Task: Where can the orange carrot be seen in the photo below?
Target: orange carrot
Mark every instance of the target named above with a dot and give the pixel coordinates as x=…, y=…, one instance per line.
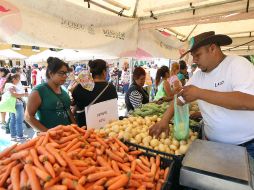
x=69, y=183
x=23, y=180
x=98, y=152
x=101, y=181
x=74, y=152
x=101, y=141
x=158, y=186
x=43, y=158
x=115, y=166
x=112, y=180
x=43, y=151
x=121, y=144
x=140, y=170
x=134, y=183
x=50, y=169
x=157, y=174
x=42, y=174
x=145, y=162
x=76, y=146
x=133, y=165
x=103, y=162
x=99, y=175
x=82, y=180
x=68, y=175
x=79, y=187
x=55, y=153
x=36, y=159
x=153, y=170
x=73, y=142
x=5, y=161
x=68, y=138
x=29, y=159
x=34, y=181
x=114, y=156
x=166, y=172
x=52, y=182
x=45, y=140
x=6, y=174
x=148, y=185
x=135, y=152
x=15, y=180
x=6, y=151
x=158, y=160
x=72, y=167
x=121, y=182
x=145, y=168
x=27, y=144
x=79, y=163
x=57, y=187
x=142, y=187
x=124, y=167
x=89, y=170
x=19, y=155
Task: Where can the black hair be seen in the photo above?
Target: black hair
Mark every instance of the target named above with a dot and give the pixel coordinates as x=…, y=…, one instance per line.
x=182, y=65
x=5, y=71
x=54, y=65
x=11, y=76
x=14, y=70
x=161, y=72
x=138, y=72
x=97, y=67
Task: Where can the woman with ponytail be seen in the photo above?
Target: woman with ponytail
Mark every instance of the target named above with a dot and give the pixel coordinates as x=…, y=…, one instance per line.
x=163, y=88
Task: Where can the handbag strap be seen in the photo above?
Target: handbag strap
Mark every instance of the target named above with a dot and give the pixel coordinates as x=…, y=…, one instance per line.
x=97, y=97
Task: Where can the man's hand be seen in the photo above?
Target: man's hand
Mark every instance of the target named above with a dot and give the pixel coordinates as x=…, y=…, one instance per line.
x=158, y=128
x=190, y=93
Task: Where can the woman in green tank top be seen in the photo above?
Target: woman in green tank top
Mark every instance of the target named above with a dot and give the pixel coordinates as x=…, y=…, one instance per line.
x=163, y=87
x=49, y=105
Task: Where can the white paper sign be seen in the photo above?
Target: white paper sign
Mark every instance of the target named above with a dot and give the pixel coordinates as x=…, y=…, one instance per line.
x=98, y=115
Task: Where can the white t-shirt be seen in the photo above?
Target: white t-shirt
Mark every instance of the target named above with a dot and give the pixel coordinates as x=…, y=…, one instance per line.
x=234, y=73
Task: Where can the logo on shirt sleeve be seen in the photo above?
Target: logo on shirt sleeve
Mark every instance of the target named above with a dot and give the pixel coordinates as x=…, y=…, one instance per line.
x=218, y=84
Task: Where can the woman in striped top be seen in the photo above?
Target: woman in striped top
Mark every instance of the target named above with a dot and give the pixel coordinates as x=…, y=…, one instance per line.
x=136, y=95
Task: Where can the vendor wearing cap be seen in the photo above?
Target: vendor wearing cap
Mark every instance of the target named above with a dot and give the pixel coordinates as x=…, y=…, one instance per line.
x=224, y=90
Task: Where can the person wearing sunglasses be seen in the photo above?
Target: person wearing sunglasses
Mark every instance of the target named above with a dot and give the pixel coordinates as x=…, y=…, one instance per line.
x=49, y=104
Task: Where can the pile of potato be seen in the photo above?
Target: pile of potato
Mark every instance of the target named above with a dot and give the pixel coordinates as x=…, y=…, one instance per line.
x=136, y=130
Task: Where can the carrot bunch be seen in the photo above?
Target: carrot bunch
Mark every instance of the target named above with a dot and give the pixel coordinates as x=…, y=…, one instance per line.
x=69, y=157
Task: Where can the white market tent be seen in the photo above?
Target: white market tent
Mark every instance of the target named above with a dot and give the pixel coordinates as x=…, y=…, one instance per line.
x=10, y=54
x=161, y=28
x=42, y=56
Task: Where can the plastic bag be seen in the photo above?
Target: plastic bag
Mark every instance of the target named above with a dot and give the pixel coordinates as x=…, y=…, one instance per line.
x=86, y=80
x=181, y=120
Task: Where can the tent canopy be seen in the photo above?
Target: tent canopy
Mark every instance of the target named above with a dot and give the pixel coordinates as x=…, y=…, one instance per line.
x=10, y=54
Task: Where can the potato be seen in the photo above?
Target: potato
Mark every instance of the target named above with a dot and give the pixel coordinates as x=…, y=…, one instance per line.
x=175, y=142
x=183, y=149
x=146, y=144
x=120, y=134
x=196, y=133
x=154, y=142
x=162, y=141
x=156, y=148
x=135, y=124
x=177, y=153
x=138, y=138
x=182, y=142
x=143, y=135
x=158, y=119
x=163, y=135
x=161, y=147
x=193, y=138
x=115, y=128
x=126, y=136
x=173, y=147
x=167, y=141
x=132, y=140
x=112, y=134
x=147, y=139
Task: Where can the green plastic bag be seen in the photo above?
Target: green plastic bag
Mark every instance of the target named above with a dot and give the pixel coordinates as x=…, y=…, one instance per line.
x=8, y=103
x=181, y=120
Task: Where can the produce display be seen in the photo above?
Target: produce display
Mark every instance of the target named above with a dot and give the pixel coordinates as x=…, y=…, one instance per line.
x=69, y=157
x=151, y=109
x=136, y=130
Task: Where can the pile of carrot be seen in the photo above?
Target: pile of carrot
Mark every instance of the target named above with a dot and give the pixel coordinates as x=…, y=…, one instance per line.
x=69, y=157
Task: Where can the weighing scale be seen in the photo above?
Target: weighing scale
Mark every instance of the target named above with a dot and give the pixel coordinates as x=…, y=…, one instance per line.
x=216, y=166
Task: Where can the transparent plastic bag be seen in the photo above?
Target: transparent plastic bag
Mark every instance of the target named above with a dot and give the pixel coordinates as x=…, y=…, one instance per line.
x=86, y=80
x=181, y=120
